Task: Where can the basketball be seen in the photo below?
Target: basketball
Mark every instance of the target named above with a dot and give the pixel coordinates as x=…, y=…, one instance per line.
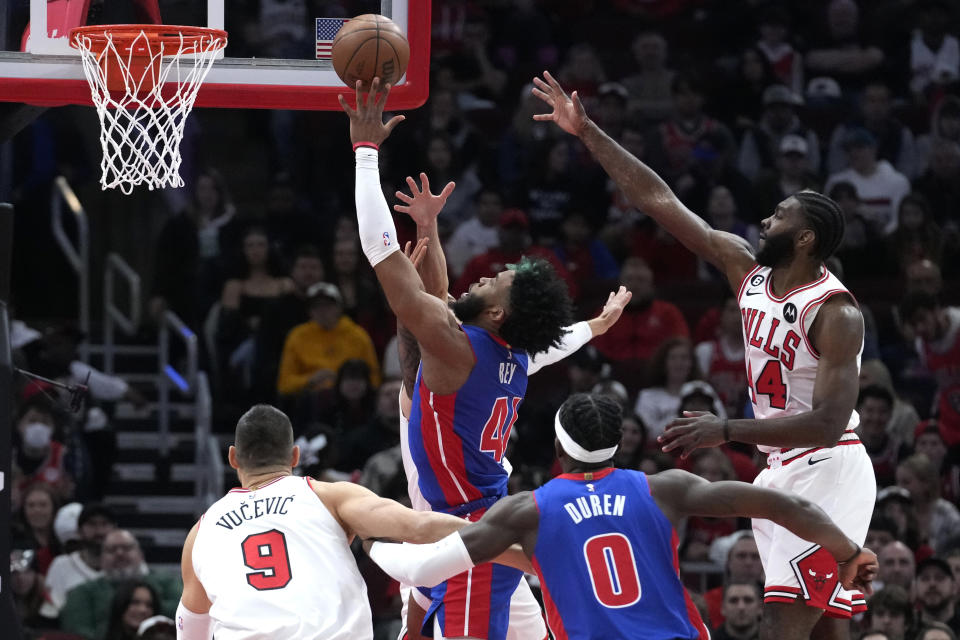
x=368, y=46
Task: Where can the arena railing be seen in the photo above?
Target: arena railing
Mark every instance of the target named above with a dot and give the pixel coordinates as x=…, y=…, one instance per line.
x=113, y=316
x=208, y=461
x=77, y=254
x=185, y=382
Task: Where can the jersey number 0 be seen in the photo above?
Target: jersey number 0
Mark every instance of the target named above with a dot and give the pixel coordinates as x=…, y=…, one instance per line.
x=613, y=570
x=266, y=554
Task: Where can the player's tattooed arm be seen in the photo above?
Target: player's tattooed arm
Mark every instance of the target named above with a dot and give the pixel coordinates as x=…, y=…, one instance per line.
x=409, y=352
x=645, y=189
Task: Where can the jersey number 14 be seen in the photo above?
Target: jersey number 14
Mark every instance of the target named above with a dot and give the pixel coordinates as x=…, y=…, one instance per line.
x=769, y=383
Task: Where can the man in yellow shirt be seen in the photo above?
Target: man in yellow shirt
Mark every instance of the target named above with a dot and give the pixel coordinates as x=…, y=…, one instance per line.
x=315, y=350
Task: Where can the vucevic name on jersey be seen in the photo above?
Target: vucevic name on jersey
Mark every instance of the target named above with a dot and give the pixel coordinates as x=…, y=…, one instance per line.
x=780, y=358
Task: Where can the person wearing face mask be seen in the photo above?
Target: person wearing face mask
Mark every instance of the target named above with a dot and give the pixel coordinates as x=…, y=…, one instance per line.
x=38, y=456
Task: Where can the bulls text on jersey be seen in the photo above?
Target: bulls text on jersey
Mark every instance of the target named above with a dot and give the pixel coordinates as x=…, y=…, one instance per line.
x=762, y=333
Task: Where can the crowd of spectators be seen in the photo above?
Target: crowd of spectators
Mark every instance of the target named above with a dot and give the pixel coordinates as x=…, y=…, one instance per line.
x=736, y=105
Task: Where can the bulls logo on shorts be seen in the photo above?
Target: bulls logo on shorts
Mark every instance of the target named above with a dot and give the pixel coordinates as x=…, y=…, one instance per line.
x=756, y=281
x=790, y=312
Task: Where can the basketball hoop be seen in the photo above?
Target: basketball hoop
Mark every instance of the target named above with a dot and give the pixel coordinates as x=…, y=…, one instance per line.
x=144, y=80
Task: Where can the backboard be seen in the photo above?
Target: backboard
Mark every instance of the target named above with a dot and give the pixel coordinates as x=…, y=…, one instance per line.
x=274, y=58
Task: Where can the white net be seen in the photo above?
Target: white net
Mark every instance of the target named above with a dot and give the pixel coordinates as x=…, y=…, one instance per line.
x=143, y=88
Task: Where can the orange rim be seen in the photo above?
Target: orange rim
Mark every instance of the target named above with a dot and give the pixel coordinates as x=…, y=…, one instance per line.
x=124, y=35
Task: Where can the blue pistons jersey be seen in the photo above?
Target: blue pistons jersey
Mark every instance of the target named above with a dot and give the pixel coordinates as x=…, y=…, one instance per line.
x=607, y=560
x=457, y=441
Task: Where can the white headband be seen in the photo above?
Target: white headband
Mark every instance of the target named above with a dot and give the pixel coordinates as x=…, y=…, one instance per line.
x=577, y=452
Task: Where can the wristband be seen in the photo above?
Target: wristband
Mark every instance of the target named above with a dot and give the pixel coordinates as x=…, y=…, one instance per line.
x=371, y=145
x=726, y=430
x=855, y=554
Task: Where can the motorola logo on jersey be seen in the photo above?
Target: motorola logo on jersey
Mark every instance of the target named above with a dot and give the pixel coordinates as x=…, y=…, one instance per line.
x=756, y=281
x=790, y=312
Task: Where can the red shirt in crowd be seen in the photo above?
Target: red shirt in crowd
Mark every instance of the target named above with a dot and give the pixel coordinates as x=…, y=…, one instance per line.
x=638, y=333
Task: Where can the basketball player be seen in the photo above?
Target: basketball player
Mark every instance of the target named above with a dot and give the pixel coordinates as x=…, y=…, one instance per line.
x=526, y=618
x=272, y=559
x=603, y=541
x=804, y=335
x=472, y=378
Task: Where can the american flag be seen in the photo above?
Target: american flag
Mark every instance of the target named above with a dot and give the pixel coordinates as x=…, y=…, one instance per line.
x=327, y=29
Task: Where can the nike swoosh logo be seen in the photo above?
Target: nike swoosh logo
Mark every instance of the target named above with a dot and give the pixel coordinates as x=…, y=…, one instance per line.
x=811, y=461
x=754, y=293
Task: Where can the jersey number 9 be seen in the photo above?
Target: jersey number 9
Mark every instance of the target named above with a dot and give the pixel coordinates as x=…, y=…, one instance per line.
x=266, y=554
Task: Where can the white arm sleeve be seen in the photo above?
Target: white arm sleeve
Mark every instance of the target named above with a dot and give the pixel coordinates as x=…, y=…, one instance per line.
x=575, y=337
x=192, y=626
x=424, y=565
x=378, y=235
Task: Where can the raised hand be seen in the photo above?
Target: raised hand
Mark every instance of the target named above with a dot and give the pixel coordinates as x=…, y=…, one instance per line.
x=611, y=311
x=366, y=121
x=423, y=206
x=568, y=111
x=416, y=254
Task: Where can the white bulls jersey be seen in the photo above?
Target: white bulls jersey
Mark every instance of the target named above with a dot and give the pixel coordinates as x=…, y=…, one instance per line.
x=781, y=361
x=276, y=564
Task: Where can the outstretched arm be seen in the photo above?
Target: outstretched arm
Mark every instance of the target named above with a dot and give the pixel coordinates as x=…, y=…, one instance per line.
x=645, y=189
x=680, y=494
x=579, y=334
x=427, y=317
x=838, y=334
x=512, y=520
x=424, y=207
x=363, y=513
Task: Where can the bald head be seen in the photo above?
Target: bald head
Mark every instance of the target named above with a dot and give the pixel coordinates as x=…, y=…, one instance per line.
x=122, y=557
x=924, y=276
x=897, y=565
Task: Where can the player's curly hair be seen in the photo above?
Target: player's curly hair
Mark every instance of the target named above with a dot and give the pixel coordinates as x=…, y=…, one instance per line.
x=540, y=307
x=594, y=421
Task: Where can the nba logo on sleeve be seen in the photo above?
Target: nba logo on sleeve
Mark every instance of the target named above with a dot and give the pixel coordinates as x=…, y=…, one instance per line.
x=386, y=238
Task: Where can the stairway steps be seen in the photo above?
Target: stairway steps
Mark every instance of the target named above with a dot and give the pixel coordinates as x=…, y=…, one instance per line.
x=140, y=487
x=156, y=503
x=156, y=521
x=143, y=471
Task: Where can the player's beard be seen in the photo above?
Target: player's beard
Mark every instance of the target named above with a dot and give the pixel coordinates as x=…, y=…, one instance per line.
x=468, y=308
x=776, y=250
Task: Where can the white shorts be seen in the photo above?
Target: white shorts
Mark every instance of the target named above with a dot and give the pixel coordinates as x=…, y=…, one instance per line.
x=526, y=617
x=840, y=481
